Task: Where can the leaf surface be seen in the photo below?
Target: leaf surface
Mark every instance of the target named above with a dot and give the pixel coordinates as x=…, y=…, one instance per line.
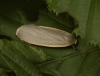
x=85, y=12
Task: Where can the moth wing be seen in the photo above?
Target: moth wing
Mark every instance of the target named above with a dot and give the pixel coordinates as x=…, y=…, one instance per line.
x=45, y=36
x=66, y=38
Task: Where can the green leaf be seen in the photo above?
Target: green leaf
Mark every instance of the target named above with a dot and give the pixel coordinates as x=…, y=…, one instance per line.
x=63, y=21
x=3, y=72
x=85, y=12
x=8, y=27
x=73, y=64
x=18, y=16
x=9, y=22
x=32, y=53
x=3, y=64
x=17, y=61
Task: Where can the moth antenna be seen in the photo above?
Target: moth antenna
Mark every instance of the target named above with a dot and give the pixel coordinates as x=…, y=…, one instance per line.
x=77, y=51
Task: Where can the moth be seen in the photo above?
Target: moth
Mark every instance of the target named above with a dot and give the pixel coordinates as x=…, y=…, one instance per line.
x=45, y=36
